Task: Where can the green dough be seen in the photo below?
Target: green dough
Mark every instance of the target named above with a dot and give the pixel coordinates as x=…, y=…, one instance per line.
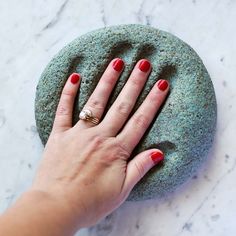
x=185, y=126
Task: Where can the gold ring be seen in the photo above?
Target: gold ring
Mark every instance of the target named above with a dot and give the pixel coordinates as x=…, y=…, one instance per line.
x=87, y=115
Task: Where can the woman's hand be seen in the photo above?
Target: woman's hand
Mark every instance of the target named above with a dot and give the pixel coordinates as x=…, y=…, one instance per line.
x=86, y=167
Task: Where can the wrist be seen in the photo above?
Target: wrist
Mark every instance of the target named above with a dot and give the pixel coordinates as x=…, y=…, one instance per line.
x=40, y=213
x=59, y=212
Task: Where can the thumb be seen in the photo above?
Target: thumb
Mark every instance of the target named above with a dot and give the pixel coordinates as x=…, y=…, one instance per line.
x=139, y=166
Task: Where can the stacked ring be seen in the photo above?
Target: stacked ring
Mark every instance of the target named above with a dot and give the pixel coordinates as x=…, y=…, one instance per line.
x=87, y=115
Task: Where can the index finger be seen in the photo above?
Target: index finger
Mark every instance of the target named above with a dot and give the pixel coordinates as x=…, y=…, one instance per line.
x=140, y=121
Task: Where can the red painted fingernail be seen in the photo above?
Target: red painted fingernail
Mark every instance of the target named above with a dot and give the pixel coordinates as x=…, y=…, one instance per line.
x=157, y=157
x=118, y=64
x=144, y=65
x=74, y=78
x=162, y=84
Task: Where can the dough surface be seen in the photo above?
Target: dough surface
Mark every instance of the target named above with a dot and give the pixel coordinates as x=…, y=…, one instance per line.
x=183, y=129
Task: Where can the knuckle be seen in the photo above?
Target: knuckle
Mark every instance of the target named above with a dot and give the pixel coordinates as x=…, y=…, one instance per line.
x=66, y=99
x=114, y=151
x=68, y=93
x=108, y=159
x=141, y=121
x=140, y=168
x=95, y=103
x=136, y=81
x=124, y=108
x=109, y=79
x=152, y=96
x=97, y=140
x=68, y=96
x=122, y=151
x=62, y=110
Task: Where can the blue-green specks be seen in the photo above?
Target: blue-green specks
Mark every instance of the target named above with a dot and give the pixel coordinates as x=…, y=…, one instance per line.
x=185, y=126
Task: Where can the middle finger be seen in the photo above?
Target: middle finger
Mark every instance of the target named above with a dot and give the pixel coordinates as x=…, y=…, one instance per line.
x=123, y=105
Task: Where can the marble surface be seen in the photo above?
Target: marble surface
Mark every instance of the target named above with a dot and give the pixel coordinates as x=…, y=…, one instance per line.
x=33, y=31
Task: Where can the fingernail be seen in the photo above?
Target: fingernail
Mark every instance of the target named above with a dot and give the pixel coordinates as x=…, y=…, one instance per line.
x=74, y=78
x=157, y=157
x=118, y=64
x=162, y=84
x=144, y=65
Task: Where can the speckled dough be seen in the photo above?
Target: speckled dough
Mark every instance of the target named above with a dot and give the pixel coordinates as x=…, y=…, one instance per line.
x=185, y=126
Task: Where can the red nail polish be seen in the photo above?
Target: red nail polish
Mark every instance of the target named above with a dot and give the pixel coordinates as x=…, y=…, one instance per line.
x=162, y=84
x=144, y=65
x=118, y=64
x=157, y=157
x=74, y=78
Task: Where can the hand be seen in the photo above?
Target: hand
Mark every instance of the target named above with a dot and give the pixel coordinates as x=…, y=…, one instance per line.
x=86, y=167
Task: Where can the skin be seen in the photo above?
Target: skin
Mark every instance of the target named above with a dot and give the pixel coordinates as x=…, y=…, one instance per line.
x=85, y=172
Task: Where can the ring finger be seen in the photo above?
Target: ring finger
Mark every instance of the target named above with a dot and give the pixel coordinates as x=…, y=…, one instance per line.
x=98, y=100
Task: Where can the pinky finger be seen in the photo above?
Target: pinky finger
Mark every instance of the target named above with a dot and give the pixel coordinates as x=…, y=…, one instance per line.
x=63, y=118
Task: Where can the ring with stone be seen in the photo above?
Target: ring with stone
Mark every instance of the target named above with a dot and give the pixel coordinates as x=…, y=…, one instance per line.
x=88, y=116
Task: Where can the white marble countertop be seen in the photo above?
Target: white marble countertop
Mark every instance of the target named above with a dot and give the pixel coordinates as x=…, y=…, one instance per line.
x=33, y=31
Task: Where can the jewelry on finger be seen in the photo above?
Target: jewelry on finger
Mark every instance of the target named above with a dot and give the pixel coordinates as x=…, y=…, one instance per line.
x=87, y=115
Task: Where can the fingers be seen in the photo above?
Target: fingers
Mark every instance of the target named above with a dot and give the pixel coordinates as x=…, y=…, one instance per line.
x=123, y=105
x=139, y=122
x=98, y=100
x=139, y=166
x=63, y=118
